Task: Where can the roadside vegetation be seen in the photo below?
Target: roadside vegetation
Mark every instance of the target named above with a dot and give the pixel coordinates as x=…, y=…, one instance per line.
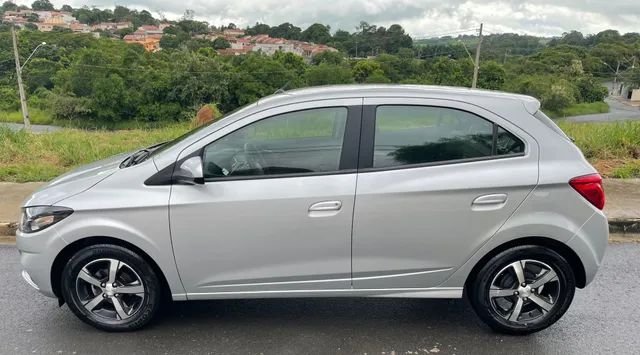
x=585, y=108
x=614, y=148
x=77, y=80
x=41, y=157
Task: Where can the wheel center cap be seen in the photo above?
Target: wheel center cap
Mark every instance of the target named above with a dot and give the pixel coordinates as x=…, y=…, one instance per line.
x=524, y=291
x=108, y=290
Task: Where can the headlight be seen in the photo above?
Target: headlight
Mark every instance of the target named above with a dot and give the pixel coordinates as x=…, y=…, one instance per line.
x=37, y=218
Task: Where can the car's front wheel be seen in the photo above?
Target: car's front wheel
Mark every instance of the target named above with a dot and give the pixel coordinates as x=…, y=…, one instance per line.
x=111, y=288
x=523, y=289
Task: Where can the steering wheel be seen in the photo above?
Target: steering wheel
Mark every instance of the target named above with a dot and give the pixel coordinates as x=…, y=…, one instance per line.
x=255, y=157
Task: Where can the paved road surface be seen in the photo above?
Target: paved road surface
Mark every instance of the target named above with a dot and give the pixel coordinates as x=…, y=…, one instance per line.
x=604, y=319
x=36, y=128
x=617, y=111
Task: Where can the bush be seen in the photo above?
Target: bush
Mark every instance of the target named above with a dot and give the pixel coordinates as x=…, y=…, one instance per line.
x=590, y=89
x=68, y=107
x=9, y=99
x=559, y=96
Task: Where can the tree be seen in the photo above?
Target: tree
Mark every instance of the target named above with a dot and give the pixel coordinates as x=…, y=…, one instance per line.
x=285, y=30
x=124, y=31
x=221, y=43
x=491, y=75
x=33, y=17
x=316, y=33
x=42, y=5
x=590, y=89
x=193, y=27
x=66, y=8
x=395, y=38
x=8, y=6
x=329, y=57
x=121, y=13
x=365, y=68
x=258, y=28
x=328, y=74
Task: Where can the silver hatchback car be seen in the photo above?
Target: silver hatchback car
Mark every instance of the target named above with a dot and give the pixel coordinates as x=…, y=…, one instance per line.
x=358, y=191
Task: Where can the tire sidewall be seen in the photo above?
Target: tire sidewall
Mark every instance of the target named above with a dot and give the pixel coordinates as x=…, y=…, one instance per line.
x=138, y=264
x=480, y=299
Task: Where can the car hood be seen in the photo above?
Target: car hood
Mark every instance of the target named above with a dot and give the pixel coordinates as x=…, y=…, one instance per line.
x=75, y=181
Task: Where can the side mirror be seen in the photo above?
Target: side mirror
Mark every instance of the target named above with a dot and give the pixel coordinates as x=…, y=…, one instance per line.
x=190, y=172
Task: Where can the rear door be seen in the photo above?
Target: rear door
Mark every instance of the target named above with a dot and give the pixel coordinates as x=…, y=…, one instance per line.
x=436, y=180
x=275, y=211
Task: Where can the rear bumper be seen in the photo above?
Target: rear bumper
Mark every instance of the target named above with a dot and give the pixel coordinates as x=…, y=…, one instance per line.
x=590, y=243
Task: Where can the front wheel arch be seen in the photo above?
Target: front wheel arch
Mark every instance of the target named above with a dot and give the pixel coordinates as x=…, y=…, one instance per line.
x=564, y=250
x=67, y=252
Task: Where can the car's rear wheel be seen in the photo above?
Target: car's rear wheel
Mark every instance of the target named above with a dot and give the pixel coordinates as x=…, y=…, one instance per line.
x=111, y=288
x=523, y=289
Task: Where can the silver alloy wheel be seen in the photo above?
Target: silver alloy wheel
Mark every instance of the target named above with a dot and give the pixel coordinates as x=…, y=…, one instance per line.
x=524, y=291
x=110, y=288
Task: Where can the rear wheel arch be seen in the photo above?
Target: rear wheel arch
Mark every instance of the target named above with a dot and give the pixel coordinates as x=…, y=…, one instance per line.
x=561, y=248
x=67, y=252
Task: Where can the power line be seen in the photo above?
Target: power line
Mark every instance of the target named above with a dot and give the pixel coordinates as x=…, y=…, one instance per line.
x=435, y=35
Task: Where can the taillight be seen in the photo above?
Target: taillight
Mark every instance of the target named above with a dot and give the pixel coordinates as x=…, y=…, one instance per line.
x=590, y=187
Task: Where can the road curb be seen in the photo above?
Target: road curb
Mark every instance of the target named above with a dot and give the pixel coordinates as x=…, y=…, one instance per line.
x=8, y=228
x=624, y=225
x=622, y=228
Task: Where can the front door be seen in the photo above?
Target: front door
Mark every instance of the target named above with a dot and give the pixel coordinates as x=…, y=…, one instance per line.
x=275, y=211
x=438, y=178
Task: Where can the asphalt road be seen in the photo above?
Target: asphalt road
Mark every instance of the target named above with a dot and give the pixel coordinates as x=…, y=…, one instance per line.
x=35, y=128
x=617, y=112
x=604, y=319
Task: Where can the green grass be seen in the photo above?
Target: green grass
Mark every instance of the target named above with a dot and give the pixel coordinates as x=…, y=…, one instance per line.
x=36, y=116
x=586, y=108
x=628, y=170
x=612, y=147
x=605, y=140
x=39, y=157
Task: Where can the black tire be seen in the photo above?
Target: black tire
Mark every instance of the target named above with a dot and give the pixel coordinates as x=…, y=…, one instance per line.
x=146, y=306
x=498, y=268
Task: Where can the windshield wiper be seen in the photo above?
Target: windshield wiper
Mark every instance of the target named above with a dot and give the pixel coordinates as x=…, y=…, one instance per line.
x=140, y=155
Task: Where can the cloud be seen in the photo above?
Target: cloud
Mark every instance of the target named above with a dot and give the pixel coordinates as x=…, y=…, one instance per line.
x=419, y=17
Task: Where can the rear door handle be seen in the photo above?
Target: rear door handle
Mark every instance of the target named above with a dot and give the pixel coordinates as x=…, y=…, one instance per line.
x=325, y=206
x=489, y=202
x=492, y=199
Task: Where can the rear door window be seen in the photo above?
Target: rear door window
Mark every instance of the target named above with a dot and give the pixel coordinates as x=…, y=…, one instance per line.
x=408, y=135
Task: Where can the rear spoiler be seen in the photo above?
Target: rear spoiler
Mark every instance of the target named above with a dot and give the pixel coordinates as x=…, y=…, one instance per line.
x=532, y=105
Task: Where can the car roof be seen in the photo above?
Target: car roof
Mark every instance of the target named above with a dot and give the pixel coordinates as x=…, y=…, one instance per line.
x=396, y=90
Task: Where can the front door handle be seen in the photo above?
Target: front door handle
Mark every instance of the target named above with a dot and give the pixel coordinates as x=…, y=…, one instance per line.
x=325, y=206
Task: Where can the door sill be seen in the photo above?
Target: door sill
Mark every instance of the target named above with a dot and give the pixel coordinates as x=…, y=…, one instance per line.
x=433, y=292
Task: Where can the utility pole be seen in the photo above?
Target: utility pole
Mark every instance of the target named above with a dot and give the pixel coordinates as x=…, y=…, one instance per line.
x=23, y=97
x=356, y=47
x=476, y=63
x=506, y=54
x=615, y=79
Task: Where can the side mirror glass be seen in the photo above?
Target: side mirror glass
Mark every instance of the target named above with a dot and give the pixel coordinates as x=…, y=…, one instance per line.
x=190, y=172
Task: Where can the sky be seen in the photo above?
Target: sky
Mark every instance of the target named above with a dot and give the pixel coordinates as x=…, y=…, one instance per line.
x=420, y=18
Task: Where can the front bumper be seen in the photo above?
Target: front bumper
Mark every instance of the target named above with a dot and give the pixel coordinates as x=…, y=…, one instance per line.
x=37, y=253
x=27, y=278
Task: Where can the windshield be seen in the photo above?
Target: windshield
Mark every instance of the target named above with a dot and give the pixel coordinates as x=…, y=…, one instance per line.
x=175, y=141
